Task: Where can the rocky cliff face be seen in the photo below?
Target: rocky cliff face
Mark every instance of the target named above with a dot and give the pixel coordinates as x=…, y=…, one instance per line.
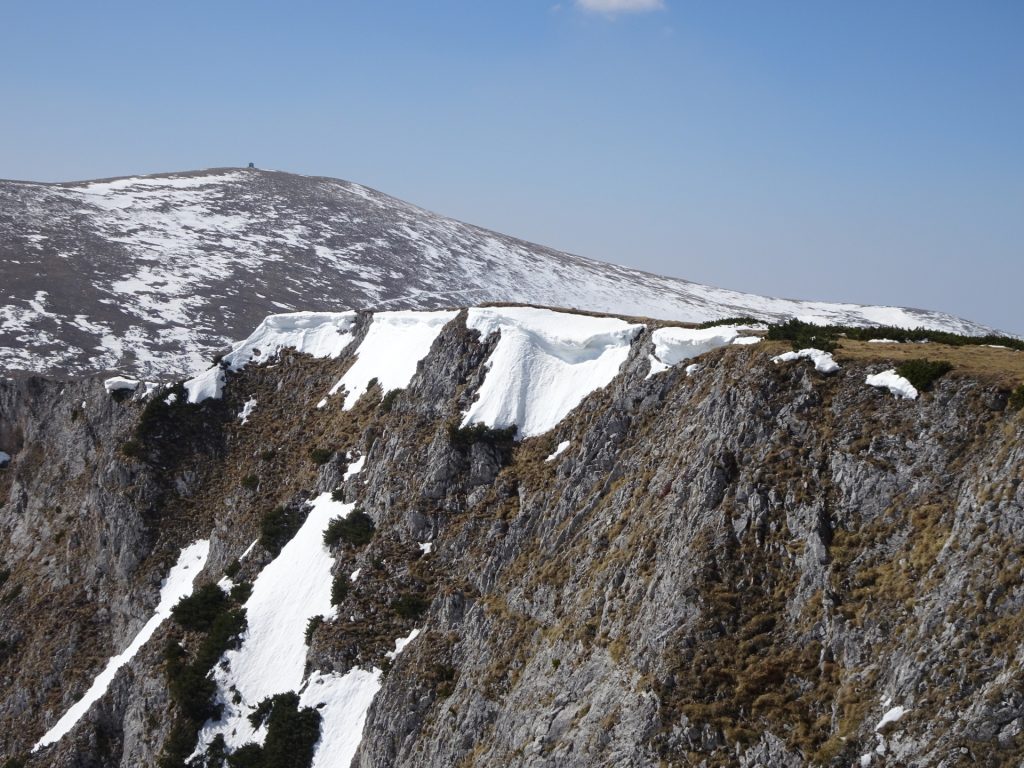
x=748, y=564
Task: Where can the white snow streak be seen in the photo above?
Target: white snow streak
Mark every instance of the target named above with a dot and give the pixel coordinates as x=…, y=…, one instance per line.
x=400, y=644
x=892, y=716
x=343, y=701
x=177, y=585
x=558, y=451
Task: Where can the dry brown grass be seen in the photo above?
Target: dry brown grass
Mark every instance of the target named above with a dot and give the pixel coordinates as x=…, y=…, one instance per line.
x=1004, y=367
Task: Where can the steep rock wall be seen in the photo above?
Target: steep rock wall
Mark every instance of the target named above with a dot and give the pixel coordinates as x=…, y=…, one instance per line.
x=750, y=565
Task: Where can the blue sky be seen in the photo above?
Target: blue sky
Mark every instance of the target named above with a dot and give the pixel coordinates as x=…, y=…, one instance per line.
x=869, y=151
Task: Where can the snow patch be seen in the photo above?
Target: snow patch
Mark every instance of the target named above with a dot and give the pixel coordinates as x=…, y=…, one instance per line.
x=674, y=345
x=656, y=367
x=177, y=585
x=355, y=467
x=892, y=716
x=426, y=547
x=120, y=384
x=899, y=386
x=544, y=364
x=693, y=368
x=320, y=334
x=823, y=361
x=400, y=644
x=355, y=574
x=247, y=408
x=393, y=346
x=207, y=385
x=5, y=459
x=558, y=451
x=342, y=701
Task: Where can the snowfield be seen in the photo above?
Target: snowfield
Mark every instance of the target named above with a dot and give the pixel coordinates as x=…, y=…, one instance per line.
x=152, y=275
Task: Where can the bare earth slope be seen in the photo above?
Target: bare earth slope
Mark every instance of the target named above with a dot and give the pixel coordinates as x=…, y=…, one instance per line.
x=151, y=275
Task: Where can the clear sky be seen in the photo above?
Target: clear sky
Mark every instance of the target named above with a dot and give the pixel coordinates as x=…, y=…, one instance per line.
x=868, y=151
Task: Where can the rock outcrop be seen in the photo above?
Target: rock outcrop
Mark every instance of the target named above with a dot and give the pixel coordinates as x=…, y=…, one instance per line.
x=749, y=564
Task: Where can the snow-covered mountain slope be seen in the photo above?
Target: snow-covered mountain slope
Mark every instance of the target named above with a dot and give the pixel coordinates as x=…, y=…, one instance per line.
x=150, y=275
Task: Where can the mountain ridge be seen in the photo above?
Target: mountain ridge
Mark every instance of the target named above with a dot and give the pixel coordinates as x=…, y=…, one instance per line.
x=151, y=275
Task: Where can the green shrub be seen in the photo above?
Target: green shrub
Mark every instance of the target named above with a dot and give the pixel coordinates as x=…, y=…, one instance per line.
x=464, y=438
x=804, y=335
x=233, y=568
x=1016, y=402
x=923, y=373
x=730, y=321
x=248, y=756
x=312, y=625
x=7, y=649
x=389, y=400
x=920, y=334
x=250, y=482
x=292, y=734
x=321, y=455
x=120, y=395
x=241, y=592
x=5, y=574
x=18, y=761
x=339, y=589
x=355, y=529
x=267, y=454
x=410, y=605
x=277, y=527
x=198, y=611
x=189, y=683
x=133, y=449
x=338, y=494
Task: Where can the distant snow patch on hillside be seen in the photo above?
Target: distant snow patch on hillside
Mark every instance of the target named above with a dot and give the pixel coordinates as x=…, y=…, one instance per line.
x=393, y=346
x=177, y=585
x=544, y=364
